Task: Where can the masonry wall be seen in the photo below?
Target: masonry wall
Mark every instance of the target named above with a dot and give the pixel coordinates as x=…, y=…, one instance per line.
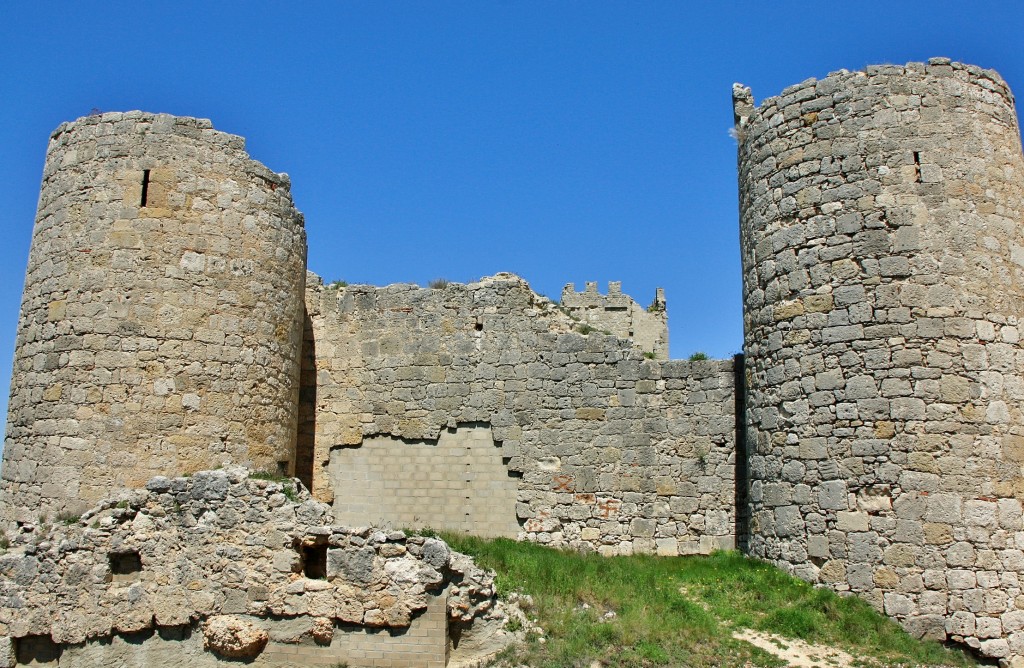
x=140, y=578
x=883, y=259
x=457, y=482
x=423, y=644
x=596, y=446
x=161, y=320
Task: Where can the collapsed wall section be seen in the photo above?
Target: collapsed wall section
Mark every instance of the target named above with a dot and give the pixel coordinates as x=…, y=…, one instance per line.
x=883, y=258
x=221, y=568
x=161, y=321
x=598, y=446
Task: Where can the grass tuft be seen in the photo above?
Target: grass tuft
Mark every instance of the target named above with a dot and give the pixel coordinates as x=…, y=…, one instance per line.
x=287, y=484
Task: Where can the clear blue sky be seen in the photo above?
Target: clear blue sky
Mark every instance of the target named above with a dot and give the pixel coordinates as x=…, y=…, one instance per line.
x=563, y=141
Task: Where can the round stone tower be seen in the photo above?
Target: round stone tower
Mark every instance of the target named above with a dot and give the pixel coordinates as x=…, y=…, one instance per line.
x=161, y=322
x=882, y=239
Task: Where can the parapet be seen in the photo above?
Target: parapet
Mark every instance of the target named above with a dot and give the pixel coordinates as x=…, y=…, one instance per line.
x=619, y=314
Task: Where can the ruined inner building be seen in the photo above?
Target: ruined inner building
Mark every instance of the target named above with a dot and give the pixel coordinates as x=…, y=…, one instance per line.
x=870, y=438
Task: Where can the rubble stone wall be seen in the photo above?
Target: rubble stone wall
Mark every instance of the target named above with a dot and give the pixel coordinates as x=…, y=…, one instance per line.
x=161, y=320
x=424, y=644
x=222, y=565
x=883, y=258
x=608, y=450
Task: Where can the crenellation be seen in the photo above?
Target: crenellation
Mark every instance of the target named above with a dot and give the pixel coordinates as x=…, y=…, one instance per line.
x=618, y=314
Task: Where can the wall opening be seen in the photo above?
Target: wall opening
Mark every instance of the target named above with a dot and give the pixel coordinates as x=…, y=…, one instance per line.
x=37, y=650
x=314, y=561
x=145, y=187
x=125, y=565
x=917, y=166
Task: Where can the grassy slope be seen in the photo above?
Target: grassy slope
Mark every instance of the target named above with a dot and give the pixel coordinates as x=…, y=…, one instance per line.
x=681, y=611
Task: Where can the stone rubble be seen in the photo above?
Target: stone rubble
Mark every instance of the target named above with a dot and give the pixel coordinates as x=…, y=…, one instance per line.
x=217, y=545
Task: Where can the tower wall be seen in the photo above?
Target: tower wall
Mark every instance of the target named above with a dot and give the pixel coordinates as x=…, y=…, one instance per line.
x=161, y=321
x=883, y=258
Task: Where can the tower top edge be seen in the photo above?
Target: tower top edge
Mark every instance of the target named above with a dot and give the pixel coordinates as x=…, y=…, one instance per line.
x=839, y=78
x=143, y=122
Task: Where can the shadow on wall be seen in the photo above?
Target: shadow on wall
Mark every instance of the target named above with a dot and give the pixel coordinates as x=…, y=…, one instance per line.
x=306, y=436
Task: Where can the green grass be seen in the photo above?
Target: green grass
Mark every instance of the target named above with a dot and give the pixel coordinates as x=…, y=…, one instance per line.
x=680, y=611
x=287, y=484
x=68, y=518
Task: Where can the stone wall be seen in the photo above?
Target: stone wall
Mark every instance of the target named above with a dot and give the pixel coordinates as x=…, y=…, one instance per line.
x=595, y=446
x=161, y=572
x=619, y=314
x=882, y=251
x=161, y=320
x=423, y=644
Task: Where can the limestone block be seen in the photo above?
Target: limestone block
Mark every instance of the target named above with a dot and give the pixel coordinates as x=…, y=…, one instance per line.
x=233, y=638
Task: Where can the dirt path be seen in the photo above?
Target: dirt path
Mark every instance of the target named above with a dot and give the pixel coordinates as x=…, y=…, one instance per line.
x=797, y=653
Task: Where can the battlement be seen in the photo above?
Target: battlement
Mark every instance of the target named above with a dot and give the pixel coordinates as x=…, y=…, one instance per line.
x=619, y=314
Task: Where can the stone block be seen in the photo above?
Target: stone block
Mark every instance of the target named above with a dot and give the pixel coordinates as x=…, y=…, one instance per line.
x=855, y=521
x=642, y=528
x=832, y=495
x=667, y=547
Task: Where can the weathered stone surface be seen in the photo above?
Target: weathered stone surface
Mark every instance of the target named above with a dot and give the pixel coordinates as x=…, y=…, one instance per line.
x=157, y=337
x=163, y=332
x=482, y=407
x=146, y=559
x=901, y=200
x=233, y=638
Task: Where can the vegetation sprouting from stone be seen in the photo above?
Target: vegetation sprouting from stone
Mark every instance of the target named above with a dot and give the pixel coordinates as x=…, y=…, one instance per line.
x=68, y=518
x=287, y=484
x=698, y=356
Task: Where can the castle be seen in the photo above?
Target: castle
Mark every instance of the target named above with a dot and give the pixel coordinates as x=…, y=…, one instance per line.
x=870, y=438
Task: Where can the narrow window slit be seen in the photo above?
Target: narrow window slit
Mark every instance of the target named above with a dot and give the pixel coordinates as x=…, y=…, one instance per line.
x=145, y=186
x=917, y=166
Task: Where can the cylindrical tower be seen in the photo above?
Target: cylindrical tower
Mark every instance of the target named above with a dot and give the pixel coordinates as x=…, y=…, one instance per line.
x=882, y=237
x=161, y=322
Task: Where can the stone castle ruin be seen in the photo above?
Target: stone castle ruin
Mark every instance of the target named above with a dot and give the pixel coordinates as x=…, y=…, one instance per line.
x=870, y=438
